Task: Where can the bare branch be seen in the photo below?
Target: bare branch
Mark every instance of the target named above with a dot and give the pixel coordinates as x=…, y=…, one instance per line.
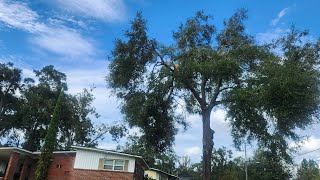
x=226, y=88
x=163, y=62
x=215, y=95
x=195, y=94
x=203, y=88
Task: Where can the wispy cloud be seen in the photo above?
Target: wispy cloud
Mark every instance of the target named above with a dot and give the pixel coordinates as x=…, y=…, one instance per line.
x=270, y=35
x=64, y=41
x=56, y=38
x=281, y=14
x=191, y=151
x=106, y=10
x=309, y=149
x=310, y=144
x=19, y=15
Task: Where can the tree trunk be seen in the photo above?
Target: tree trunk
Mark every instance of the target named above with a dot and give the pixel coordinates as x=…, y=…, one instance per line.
x=207, y=141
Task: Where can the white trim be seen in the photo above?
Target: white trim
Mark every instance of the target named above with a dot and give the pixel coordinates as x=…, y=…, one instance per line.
x=57, y=152
x=19, y=150
x=114, y=164
x=16, y=149
x=105, y=151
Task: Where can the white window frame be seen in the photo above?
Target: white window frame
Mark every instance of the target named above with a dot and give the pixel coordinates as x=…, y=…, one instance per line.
x=114, y=164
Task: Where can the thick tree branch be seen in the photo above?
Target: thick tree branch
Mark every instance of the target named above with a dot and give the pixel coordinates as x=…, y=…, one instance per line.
x=163, y=62
x=195, y=94
x=215, y=95
x=203, y=88
x=226, y=88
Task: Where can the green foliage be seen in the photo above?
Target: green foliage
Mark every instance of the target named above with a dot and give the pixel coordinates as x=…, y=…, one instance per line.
x=10, y=84
x=149, y=107
x=279, y=97
x=263, y=166
x=308, y=170
x=26, y=115
x=49, y=142
x=164, y=161
x=75, y=126
x=187, y=169
x=267, y=166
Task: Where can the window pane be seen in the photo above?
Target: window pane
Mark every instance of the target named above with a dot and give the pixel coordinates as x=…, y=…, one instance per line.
x=118, y=167
x=108, y=162
x=119, y=163
x=108, y=167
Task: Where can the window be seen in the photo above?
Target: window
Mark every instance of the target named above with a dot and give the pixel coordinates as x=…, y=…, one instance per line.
x=108, y=164
x=114, y=164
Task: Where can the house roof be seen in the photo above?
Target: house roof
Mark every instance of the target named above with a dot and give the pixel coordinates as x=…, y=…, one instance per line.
x=158, y=170
x=16, y=149
x=24, y=151
x=110, y=152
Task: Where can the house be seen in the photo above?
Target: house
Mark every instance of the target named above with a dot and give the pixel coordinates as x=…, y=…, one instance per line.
x=80, y=163
x=157, y=174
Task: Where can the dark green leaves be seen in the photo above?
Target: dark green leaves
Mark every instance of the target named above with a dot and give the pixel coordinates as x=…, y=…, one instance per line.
x=195, y=33
x=279, y=95
x=130, y=57
x=10, y=84
x=145, y=84
x=234, y=36
x=308, y=170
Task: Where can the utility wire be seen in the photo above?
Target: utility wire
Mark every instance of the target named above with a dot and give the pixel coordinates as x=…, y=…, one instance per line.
x=307, y=152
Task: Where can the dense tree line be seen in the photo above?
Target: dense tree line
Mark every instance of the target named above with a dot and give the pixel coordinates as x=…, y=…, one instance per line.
x=26, y=107
x=308, y=170
x=261, y=165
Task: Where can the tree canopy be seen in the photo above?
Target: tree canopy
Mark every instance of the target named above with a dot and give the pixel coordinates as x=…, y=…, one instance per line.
x=309, y=169
x=268, y=90
x=28, y=104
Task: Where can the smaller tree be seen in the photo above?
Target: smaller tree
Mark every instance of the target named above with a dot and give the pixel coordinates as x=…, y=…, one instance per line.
x=49, y=143
x=155, y=159
x=225, y=166
x=265, y=165
x=188, y=169
x=308, y=170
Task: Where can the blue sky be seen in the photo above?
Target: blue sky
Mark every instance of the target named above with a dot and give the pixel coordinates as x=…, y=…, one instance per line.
x=77, y=36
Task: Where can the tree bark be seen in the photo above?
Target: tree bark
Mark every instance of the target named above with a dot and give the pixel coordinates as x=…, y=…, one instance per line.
x=207, y=141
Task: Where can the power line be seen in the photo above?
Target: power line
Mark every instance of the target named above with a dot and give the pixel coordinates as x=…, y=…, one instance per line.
x=307, y=152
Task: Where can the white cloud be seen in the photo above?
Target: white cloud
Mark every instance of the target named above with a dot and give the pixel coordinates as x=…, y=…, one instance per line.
x=269, y=36
x=19, y=15
x=187, y=137
x=309, y=149
x=310, y=144
x=58, y=38
x=192, y=151
x=281, y=14
x=94, y=76
x=218, y=116
x=107, y=146
x=106, y=10
x=64, y=41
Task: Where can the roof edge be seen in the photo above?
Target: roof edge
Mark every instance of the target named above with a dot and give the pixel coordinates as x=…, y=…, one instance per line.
x=154, y=169
x=16, y=149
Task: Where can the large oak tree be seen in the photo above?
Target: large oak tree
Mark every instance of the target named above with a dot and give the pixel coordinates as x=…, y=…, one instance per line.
x=267, y=91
